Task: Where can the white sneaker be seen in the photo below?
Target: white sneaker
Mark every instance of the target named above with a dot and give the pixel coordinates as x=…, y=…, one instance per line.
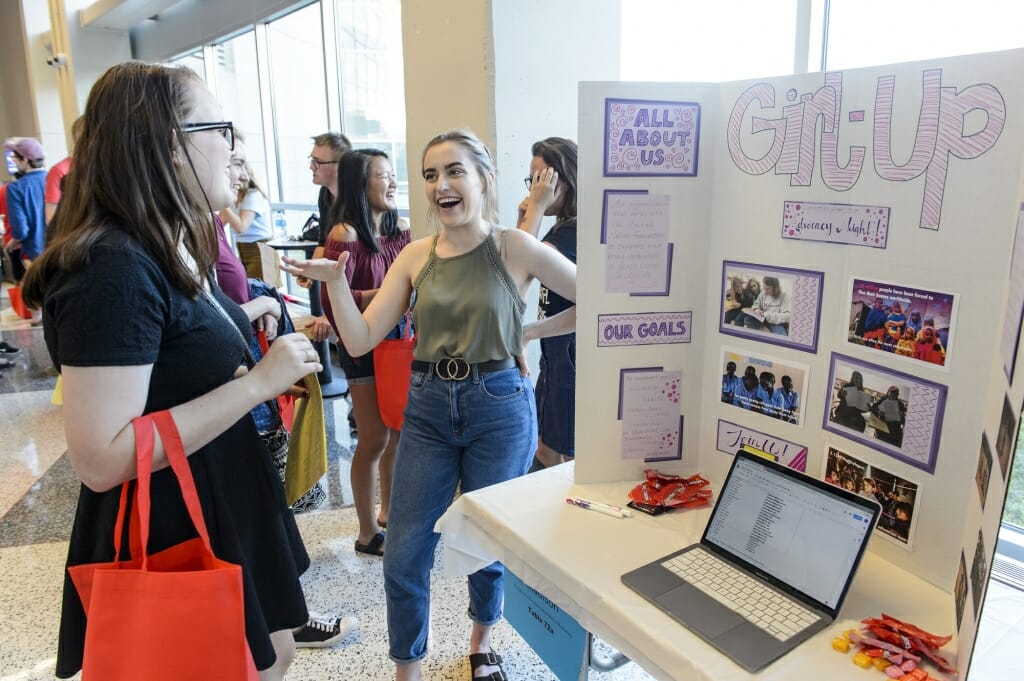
x=322, y=631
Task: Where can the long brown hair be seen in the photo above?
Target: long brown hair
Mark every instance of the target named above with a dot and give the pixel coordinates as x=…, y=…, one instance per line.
x=560, y=153
x=125, y=177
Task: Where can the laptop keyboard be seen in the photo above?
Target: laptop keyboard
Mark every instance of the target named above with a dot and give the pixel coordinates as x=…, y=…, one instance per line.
x=759, y=604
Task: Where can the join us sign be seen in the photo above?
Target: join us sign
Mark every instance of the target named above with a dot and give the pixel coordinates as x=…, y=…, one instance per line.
x=651, y=138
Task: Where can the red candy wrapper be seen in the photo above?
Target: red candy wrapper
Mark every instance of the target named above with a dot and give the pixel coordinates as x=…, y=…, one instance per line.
x=660, y=492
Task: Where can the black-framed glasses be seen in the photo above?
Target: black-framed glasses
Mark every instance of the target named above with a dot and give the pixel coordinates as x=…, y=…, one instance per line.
x=528, y=181
x=316, y=163
x=225, y=128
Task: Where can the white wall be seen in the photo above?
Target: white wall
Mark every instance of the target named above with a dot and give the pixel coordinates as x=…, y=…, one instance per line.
x=542, y=51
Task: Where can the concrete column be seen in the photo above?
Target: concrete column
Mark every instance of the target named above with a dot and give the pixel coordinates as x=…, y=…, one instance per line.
x=448, y=49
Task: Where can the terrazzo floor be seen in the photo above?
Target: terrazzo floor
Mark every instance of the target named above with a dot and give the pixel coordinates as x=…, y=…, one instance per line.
x=38, y=492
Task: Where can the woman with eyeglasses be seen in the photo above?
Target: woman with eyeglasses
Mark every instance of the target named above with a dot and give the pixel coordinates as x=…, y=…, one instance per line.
x=369, y=230
x=471, y=419
x=552, y=185
x=135, y=321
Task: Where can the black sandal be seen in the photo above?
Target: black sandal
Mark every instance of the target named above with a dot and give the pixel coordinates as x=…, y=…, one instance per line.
x=491, y=659
x=374, y=548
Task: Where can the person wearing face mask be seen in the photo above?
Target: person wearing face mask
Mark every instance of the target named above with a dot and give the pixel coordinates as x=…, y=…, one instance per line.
x=371, y=233
x=853, y=402
x=893, y=411
x=26, y=206
x=552, y=185
x=471, y=416
x=135, y=321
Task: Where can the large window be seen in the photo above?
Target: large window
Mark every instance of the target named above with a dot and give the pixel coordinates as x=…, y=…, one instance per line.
x=238, y=88
x=668, y=40
x=194, y=61
x=369, y=37
x=298, y=78
x=872, y=32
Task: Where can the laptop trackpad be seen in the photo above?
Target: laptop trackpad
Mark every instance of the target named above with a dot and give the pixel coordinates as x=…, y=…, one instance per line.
x=713, y=619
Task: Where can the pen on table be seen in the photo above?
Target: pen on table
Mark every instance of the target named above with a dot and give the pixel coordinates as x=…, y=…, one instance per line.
x=607, y=509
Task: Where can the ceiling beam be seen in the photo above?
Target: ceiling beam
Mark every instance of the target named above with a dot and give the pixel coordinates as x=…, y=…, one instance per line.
x=121, y=15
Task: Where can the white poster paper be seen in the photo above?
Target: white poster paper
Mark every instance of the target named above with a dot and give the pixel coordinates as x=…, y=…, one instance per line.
x=637, y=248
x=650, y=414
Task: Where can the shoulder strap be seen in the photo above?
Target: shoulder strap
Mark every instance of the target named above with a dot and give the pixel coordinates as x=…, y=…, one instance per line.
x=249, y=359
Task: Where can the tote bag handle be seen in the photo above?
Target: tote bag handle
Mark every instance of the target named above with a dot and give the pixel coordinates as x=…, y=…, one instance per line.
x=175, y=452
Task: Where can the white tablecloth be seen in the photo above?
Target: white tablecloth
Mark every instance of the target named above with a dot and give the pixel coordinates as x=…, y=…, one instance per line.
x=576, y=557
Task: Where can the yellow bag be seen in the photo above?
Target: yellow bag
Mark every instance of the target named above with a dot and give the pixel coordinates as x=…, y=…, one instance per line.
x=307, y=446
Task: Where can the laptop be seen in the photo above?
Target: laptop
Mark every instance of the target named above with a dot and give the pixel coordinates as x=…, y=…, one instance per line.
x=774, y=564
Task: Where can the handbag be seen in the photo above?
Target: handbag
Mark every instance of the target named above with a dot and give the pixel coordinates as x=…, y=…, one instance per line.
x=307, y=451
x=176, y=614
x=392, y=369
x=277, y=441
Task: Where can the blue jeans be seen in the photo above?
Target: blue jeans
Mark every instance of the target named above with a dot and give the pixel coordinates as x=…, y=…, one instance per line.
x=457, y=434
x=556, y=394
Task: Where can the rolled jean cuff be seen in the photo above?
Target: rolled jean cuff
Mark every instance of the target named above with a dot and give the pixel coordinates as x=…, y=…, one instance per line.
x=408, y=661
x=472, y=616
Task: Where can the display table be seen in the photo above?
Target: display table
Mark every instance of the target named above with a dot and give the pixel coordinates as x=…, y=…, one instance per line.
x=576, y=557
x=329, y=385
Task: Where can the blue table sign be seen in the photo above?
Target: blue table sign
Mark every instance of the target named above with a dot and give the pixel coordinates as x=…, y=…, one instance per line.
x=557, y=638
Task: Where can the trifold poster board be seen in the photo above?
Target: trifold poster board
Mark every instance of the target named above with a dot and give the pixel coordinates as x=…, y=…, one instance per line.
x=853, y=243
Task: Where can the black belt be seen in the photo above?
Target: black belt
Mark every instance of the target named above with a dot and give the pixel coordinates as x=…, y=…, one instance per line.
x=457, y=369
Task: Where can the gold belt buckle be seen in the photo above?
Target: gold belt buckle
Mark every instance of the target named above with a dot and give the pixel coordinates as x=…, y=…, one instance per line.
x=452, y=369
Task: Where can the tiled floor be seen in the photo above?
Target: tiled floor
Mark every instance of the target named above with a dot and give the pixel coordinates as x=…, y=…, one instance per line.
x=38, y=492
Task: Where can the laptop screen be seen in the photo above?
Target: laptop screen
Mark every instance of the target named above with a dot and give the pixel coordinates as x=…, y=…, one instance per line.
x=803, y=532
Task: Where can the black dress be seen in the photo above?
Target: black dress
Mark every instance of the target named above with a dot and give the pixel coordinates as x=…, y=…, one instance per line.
x=120, y=310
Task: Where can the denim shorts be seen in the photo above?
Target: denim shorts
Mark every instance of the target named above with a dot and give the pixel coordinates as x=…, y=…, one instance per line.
x=464, y=435
x=359, y=370
x=556, y=394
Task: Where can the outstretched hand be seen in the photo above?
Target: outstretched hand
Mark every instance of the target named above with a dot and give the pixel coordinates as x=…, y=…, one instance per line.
x=321, y=269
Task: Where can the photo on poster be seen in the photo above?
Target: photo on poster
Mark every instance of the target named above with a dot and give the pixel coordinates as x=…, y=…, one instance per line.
x=778, y=305
x=979, y=572
x=897, y=496
x=764, y=385
x=984, y=471
x=1006, y=437
x=1014, y=311
x=887, y=410
x=910, y=323
x=960, y=590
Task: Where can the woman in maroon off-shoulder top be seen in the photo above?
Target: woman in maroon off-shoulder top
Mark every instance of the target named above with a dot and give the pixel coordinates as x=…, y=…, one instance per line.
x=368, y=227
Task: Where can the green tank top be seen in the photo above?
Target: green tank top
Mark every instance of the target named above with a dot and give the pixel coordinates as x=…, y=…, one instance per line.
x=467, y=306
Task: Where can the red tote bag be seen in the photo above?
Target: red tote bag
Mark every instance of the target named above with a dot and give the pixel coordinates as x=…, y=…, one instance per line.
x=392, y=370
x=285, y=402
x=176, y=614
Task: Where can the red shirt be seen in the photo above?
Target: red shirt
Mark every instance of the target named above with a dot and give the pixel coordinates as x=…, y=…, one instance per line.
x=53, y=177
